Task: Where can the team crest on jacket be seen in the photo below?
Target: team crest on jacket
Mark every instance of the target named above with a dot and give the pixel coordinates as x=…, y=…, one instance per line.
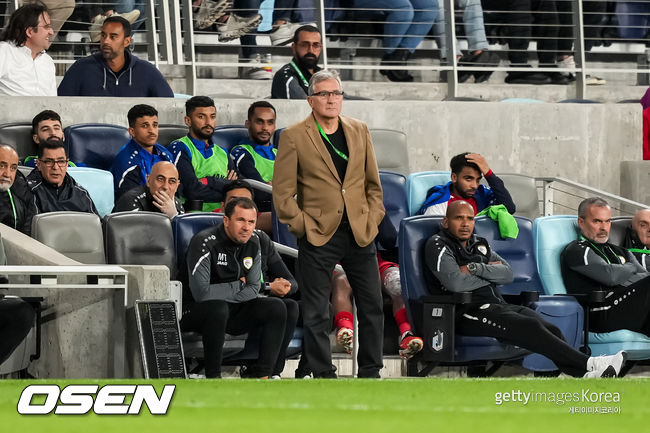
x=248, y=262
x=622, y=260
x=482, y=249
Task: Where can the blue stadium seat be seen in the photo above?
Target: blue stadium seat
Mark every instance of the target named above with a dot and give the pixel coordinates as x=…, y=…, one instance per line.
x=228, y=136
x=551, y=234
x=95, y=144
x=281, y=233
x=99, y=184
x=417, y=185
x=414, y=232
x=395, y=203
x=19, y=135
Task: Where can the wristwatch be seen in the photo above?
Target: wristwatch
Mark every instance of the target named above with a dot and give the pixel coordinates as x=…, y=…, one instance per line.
x=471, y=267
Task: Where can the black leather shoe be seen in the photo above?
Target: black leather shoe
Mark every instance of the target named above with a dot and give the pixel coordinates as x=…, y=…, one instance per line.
x=527, y=78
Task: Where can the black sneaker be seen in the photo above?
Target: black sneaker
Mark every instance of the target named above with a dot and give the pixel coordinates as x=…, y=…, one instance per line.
x=527, y=78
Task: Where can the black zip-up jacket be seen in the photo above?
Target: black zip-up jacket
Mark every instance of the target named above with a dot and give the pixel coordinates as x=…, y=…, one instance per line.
x=23, y=202
x=215, y=265
x=70, y=196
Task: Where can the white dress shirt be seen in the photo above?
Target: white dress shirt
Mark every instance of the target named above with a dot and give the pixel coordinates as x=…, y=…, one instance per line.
x=21, y=75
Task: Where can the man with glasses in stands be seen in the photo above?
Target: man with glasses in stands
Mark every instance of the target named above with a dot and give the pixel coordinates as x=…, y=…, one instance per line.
x=52, y=187
x=16, y=203
x=292, y=80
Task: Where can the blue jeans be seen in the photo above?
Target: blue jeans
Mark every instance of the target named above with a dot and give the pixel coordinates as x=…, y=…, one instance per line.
x=122, y=6
x=248, y=8
x=472, y=21
x=633, y=19
x=407, y=21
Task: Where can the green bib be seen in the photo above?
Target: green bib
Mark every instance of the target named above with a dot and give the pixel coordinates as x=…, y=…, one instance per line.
x=263, y=166
x=215, y=165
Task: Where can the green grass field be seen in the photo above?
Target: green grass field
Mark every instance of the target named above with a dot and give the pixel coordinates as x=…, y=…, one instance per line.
x=431, y=405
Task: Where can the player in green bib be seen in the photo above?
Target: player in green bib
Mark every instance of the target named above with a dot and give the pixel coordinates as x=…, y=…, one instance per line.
x=254, y=158
x=203, y=168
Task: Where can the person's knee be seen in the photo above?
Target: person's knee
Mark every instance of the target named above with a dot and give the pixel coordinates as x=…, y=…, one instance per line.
x=273, y=309
x=293, y=311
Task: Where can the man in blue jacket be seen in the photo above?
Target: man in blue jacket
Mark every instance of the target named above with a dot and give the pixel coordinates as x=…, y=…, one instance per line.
x=114, y=71
x=466, y=171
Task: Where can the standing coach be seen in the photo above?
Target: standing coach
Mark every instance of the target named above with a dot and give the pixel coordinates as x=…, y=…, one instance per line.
x=327, y=162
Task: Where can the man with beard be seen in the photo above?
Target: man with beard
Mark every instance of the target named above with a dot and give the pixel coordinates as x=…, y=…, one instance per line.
x=292, y=80
x=46, y=125
x=254, y=158
x=466, y=171
x=203, y=168
x=114, y=71
x=16, y=204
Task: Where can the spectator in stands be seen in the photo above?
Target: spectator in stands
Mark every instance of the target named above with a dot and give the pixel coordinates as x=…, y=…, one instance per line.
x=228, y=24
x=203, y=167
x=280, y=282
x=225, y=272
x=407, y=22
x=52, y=187
x=591, y=263
x=328, y=192
x=456, y=260
x=254, y=158
x=292, y=80
x=25, y=68
x=60, y=11
x=16, y=203
x=645, y=103
x=114, y=71
x=466, y=171
x=158, y=195
x=637, y=237
x=133, y=163
x=46, y=125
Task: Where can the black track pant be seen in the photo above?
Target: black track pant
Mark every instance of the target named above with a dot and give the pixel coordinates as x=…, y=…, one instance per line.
x=625, y=308
x=16, y=319
x=522, y=327
x=528, y=19
x=213, y=319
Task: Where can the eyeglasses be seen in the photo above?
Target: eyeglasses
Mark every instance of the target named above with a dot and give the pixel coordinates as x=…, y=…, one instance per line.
x=325, y=94
x=50, y=162
x=307, y=44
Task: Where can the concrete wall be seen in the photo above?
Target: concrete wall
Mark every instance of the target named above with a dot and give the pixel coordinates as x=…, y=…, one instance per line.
x=582, y=142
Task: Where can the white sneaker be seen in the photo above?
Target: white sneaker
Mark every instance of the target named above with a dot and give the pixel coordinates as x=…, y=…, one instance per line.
x=95, y=29
x=603, y=372
x=592, y=80
x=257, y=71
x=209, y=12
x=567, y=63
x=276, y=377
x=283, y=34
x=344, y=337
x=601, y=362
x=237, y=26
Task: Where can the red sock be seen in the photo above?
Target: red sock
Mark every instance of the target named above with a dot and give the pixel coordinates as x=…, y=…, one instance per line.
x=344, y=320
x=402, y=321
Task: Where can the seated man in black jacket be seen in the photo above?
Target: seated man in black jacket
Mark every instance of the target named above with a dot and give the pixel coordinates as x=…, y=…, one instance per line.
x=458, y=261
x=224, y=267
x=637, y=237
x=16, y=203
x=592, y=263
x=158, y=195
x=53, y=188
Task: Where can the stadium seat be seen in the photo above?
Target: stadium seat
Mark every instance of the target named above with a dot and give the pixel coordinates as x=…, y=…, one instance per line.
x=228, y=136
x=391, y=150
x=95, y=144
x=522, y=101
x=523, y=190
x=77, y=235
x=395, y=203
x=19, y=135
x=99, y=184
x=551, y=234
x=619, y=227
x=169, y=133
x=414, y=232
x=417, y=185
x=139, y=238
x=281, y=233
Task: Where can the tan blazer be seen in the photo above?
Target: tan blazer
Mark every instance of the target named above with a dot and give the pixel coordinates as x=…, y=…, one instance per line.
x=304, y=169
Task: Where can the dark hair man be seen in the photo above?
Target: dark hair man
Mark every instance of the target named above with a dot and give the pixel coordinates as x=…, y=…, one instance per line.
x=203, y=167
x=114, y=71
x=225, y=273
x=133, y=163
x=328, y=192
x=292, y=80
x=46, y=125
x=459, y=261
x=52, y=187
x=25, y=68
x=254, y=158
x=158, y=195
x=637, y=237
x=16, y=203
x=466, y=171
x=592, y=263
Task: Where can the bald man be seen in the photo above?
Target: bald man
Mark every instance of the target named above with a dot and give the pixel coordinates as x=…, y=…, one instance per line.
x=16, y=204
x=158, y=195
x=637, y=238
x=459, y=261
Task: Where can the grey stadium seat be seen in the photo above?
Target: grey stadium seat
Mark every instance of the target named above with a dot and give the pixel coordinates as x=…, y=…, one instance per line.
x=391, y=150
x=19, y=135
x=77, y=235
x=524, y=193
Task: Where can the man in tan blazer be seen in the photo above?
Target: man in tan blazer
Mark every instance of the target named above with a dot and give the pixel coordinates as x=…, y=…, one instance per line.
x=326, y=188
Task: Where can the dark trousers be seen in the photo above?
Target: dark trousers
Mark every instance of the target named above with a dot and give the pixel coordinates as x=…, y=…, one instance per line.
x=532, y=18
x=315, y=267
x=213, y=319
x=593, y=16
x=16, y=319
x=522, y=327
x=626, y=308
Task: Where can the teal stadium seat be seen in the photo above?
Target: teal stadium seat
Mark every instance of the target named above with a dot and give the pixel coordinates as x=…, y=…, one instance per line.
x=417, y=185
x=99, y=184
x=551, y=234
